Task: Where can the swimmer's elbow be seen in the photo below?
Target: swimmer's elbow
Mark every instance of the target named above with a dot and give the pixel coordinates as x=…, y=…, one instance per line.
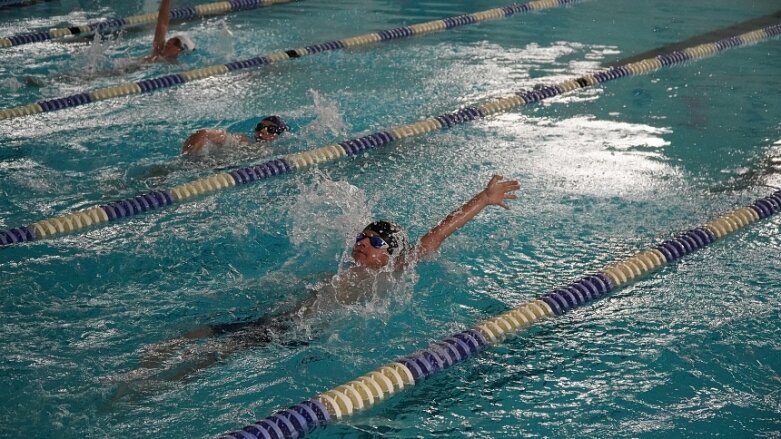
x=195, y=143
x=419, y=253
x=198, y=141
x=241, y=138
x=428, y=244
x=191, y=149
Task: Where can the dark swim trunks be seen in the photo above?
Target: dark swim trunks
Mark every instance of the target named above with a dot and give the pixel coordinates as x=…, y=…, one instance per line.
x=254, y=333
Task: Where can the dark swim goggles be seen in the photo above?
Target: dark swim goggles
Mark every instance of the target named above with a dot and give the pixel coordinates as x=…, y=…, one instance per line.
x=271, y=129
x=375, y=241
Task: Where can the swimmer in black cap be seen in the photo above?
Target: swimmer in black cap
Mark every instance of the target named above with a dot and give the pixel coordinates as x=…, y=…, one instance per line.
x=200, y=142
x=383, y=241
x=388, y=238
x=167, y=51
x=381, y=248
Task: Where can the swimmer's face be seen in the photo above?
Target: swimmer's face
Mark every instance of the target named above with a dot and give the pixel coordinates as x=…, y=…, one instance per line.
x=267, y=131
x=172, y=49
x=367, y=254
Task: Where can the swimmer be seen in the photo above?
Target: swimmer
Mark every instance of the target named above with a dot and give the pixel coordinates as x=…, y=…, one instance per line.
x=167, y=51
x=97, y=64
x=381, y=250
x=217, y=149
x=199, y=143
x=764, y=172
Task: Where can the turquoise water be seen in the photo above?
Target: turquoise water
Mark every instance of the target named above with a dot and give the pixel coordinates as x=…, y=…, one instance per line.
x=689, y=351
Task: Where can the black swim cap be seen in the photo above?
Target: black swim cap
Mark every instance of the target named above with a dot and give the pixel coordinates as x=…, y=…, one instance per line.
x=392, y=233
x=274, y=120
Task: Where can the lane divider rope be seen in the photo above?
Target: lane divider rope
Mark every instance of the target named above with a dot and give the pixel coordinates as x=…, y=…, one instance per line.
x=177, y=15
x=368, y=390
x=162, y=82
x=153, y=200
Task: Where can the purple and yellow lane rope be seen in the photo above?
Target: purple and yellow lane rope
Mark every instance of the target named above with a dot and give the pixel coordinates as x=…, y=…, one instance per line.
x=150, y=85
x=368, y=390
x=153, y=200
x=177, y=14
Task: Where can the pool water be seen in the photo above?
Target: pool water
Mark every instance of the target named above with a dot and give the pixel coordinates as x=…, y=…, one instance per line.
x=692, y=350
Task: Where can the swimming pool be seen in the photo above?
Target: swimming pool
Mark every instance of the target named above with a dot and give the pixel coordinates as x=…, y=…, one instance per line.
x=691, y=350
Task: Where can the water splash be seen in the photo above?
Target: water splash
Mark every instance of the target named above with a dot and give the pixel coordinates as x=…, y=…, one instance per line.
x=325, y=211
x=328, y=119
x=11, y=84
x=326, y=215
x=224, y=42
x=95, y=59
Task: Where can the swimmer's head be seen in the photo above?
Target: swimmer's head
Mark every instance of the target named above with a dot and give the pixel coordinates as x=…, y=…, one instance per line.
x=378, y=242
x=177, y=45
x=269, y=128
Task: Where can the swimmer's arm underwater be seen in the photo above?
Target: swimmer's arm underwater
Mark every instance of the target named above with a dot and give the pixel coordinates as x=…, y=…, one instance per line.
x=495, y=193
x=198, y=140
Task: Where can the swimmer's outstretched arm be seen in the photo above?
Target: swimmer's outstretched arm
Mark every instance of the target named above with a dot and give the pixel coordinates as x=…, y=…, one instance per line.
x=163, y=17
x=495, y=193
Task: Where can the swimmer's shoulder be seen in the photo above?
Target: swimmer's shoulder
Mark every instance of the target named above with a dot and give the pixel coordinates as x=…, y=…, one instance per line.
x=199, y=142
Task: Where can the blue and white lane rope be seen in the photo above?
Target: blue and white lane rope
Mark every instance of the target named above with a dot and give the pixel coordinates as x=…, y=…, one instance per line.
x=114, y=24
x=368, y=390
x=154, y=84
x=73, y=222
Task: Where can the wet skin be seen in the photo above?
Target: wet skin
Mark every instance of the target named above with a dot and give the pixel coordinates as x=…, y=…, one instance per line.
x=367, y=255
x=264, y=134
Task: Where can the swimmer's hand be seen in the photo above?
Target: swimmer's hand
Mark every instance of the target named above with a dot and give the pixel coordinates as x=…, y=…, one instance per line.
x=498, y=190
x=495, y=193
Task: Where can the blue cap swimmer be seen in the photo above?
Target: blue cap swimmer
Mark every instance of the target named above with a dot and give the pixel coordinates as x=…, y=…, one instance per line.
x=269, y=128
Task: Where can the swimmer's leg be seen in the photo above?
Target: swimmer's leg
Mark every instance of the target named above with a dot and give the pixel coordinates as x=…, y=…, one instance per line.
x=243, y=336
x=155, y=355
x=250, y=336
x=183, y=372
